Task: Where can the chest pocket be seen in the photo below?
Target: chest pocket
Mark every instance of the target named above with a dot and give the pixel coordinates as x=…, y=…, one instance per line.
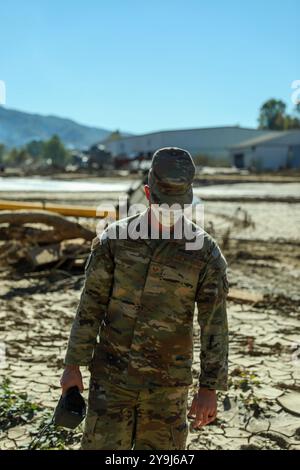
x=172, y=274
x=183, y=271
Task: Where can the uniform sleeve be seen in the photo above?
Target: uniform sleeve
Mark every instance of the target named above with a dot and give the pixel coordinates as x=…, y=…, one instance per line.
x=93, y=303
x=212, y=318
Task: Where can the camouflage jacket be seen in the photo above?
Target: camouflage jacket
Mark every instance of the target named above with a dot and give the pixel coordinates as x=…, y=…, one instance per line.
x=134, y=321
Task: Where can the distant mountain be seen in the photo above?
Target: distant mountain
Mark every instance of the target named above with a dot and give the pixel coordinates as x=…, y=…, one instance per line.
x=17, y=128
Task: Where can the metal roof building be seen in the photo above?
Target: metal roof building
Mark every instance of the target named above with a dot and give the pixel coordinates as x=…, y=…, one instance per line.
x=276, y=150
x=213, y=142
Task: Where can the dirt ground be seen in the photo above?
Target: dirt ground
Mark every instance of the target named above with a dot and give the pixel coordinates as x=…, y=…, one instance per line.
x=261, y=409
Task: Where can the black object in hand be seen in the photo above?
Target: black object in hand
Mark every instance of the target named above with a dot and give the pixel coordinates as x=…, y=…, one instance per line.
x=70, y=410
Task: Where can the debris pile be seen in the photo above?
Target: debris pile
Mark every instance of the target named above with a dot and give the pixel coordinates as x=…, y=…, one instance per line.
x=39, y=239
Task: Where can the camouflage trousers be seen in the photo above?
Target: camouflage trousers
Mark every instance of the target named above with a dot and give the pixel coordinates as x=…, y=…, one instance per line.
x=123, y=419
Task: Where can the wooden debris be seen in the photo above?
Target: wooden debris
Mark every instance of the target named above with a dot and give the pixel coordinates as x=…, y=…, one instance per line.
x=41, y=255
x=62, y=228
x=242, y=296
x=41, y=239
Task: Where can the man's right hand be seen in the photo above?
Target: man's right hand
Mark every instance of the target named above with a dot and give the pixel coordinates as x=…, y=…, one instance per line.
x=71, y=377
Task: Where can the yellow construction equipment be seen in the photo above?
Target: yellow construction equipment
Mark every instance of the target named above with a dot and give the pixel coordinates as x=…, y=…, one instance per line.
x=75, y=211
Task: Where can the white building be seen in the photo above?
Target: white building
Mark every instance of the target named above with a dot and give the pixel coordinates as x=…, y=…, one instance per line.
x=213, y=142
x=273, y=151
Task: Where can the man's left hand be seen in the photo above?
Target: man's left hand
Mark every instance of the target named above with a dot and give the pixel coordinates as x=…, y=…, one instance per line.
x=203, y=408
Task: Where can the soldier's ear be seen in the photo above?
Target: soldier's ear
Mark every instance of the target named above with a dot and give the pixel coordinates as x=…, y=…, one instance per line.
x=147, y=191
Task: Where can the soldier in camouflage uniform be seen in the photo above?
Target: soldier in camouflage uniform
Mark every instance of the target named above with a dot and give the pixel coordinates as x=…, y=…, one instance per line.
x=140, y=293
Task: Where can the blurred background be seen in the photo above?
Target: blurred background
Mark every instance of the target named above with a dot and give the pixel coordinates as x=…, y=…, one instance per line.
x=88, y=92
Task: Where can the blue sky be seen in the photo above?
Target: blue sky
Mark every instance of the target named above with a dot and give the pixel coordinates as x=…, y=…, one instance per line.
x=147, y=65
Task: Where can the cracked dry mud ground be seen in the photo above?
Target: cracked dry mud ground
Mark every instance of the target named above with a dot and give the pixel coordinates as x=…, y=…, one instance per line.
x=261, y=409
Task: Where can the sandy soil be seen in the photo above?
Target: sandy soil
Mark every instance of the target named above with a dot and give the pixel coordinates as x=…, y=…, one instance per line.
x=261, y=409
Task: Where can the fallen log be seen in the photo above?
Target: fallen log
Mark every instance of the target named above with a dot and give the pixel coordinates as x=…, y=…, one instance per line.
x=73, y=251
x=242, y=296
x=62, y=228
x=30, y=234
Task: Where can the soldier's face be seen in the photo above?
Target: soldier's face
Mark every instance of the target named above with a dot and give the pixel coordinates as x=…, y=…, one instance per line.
x=164, y=217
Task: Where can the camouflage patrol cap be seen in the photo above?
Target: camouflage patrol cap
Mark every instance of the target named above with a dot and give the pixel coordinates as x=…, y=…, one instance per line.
x=170, y=176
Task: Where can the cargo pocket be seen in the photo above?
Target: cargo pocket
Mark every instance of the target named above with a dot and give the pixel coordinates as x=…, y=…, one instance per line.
x=180, y=372
x=179, y=436
x=88, y=440
x=90, y=424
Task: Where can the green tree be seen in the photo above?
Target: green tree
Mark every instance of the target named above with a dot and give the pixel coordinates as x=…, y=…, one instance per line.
x=35, y=149
x=291, y=122
x=272, y=115
x=17, y=157
x=55, y=151
x=2, y=152
x=12, y=156
x=22, y=156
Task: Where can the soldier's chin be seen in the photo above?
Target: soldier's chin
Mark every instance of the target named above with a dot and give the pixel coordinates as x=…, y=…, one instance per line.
x=165, y=223
x=167, y=226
